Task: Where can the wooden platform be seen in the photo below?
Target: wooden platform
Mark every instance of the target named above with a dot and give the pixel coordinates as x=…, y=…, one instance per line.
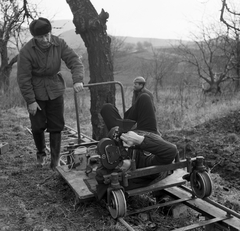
x=77, y=181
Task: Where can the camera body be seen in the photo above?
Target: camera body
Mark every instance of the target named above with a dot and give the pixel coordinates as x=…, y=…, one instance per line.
x=111, y=149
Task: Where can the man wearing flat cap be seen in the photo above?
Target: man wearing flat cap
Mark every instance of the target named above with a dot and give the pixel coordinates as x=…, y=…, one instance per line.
x=42, y=85
x=139, y=88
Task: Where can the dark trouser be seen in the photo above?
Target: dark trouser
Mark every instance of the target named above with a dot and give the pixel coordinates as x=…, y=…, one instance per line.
x=50, y=117
x=39, y=140
x=142, y=112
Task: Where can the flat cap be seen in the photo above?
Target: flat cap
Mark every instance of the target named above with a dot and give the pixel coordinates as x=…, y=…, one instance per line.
x=139, y=79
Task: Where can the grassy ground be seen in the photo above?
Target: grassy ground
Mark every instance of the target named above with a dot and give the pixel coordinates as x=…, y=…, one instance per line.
x=34, y=199
x=176, y=108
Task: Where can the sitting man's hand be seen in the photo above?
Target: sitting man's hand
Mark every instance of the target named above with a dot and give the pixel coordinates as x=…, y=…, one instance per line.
x=131, y=139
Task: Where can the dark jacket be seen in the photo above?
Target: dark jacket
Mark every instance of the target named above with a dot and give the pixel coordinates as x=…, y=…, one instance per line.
x=136, y=94
x=38, y=72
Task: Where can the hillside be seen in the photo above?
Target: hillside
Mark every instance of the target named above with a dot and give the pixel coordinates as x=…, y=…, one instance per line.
x=66, y=30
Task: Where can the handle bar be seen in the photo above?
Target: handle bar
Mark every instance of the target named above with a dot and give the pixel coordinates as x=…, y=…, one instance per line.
x=92, y=85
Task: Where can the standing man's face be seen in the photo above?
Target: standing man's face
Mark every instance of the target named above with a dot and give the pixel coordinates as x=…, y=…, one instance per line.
x=44, y=40
x=137, y=86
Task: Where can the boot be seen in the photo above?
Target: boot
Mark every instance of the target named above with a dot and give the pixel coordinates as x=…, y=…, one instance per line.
x=55, y=147
x=39, y=140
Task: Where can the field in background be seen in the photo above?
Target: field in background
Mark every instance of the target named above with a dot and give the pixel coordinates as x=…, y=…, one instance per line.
x=178, y=107
x=46, y=202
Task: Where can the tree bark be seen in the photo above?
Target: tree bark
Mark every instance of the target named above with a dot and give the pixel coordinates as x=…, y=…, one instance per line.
x=237, y=66
x=92, y=28
x=5, y=69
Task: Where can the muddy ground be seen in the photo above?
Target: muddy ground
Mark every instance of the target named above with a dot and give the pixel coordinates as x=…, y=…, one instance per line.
x=38, y=199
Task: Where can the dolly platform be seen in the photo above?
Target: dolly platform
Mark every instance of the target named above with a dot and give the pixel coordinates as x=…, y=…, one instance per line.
x=82, y=155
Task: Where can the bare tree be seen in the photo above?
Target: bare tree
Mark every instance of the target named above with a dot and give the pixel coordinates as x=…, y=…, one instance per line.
x=118, y=50
x=12, y=17
x=159, y=65
x=230, y=17
x=210, y=56
x=92, y=28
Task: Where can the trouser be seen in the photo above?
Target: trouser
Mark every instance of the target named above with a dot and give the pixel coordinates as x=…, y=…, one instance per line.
x=142, y=112
x=49, y=118
x=55, y=147
x=39, y=140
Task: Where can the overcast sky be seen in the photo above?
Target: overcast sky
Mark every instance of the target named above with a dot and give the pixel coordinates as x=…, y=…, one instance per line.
x=173, y=19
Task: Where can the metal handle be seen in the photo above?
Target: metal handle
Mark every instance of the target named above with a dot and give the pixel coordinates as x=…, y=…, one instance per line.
x=92, y=85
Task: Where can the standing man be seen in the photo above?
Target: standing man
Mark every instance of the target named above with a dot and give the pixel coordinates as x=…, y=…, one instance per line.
x=42, y=85
x=139, y=88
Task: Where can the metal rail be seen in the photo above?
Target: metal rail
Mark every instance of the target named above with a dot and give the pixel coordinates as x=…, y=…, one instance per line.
x=215, y=213
x=208, y=208
x=229, y=211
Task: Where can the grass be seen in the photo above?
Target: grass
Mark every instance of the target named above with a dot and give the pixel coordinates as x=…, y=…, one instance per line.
x=177, y=108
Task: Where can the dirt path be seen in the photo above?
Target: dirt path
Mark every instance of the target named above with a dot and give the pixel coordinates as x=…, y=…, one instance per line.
x=37, y=199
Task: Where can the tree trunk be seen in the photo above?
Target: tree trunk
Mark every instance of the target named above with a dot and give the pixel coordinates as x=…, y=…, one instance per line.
x=5, y=70
x=156, y=89
x=213, y=89
x=92, y=28
x=4, y=80
x=237, y=81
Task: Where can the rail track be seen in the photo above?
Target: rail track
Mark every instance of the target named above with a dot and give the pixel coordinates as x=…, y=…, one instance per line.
x=217, y=216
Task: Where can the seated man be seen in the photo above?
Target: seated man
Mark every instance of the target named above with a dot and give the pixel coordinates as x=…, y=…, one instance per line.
x=151, y=148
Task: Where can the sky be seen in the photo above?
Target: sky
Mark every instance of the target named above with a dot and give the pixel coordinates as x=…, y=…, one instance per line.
x=166, y=19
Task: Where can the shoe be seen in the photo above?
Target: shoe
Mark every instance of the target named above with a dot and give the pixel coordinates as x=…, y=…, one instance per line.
x=39, y=140
x=41, y=157
x=55, y=148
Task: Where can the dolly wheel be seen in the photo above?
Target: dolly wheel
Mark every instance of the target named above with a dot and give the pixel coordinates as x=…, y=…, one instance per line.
x=117, y=204
x=201, y=184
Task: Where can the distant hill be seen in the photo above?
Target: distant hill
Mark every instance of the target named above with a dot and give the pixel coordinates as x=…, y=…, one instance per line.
x=154, y=41
x=61, y=26
x=66, y=30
